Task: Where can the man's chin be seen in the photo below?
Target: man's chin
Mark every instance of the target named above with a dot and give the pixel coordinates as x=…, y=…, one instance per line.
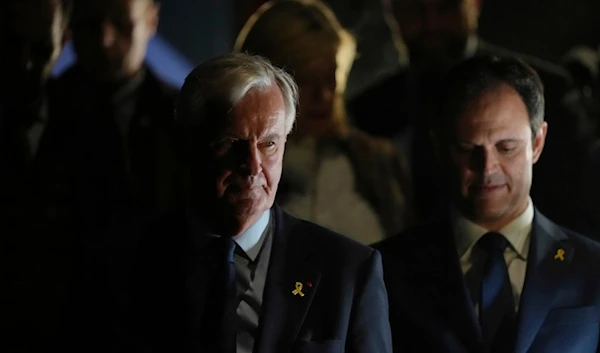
x=244, y=213
x=490, y=214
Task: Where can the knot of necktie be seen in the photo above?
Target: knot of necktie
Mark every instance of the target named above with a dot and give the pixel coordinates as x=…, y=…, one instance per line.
x=493, y=242
x=228, y=248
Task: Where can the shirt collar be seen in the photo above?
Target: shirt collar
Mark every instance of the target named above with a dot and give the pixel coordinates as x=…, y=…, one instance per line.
x=471, y=46
x=251, y=240
x=467, y=233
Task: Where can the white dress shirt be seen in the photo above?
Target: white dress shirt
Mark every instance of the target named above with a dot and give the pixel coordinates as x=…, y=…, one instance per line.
x=252, y=239
x=472, y=258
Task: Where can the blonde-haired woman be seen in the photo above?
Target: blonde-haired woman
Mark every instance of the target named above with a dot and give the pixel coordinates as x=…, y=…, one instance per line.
x=333, y=175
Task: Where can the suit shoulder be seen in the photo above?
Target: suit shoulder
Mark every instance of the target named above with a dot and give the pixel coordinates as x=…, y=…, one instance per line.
x=414, y=238
x=584, y=243
x=161, y=87
x=330, y=241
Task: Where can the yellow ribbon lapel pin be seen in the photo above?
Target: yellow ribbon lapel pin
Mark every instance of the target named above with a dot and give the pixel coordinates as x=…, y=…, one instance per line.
x=298, y=290
x=299, y=287
x=560, y=255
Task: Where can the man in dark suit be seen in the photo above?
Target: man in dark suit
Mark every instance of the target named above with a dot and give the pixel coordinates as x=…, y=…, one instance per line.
x=232, y=272
x=121, y=136
x=440, y=34
x=118, y=142
x=497, y=273
x=33, y=246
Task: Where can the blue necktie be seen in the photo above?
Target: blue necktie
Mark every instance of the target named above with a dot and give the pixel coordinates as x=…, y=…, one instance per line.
x=229, y=310
x=496, y=307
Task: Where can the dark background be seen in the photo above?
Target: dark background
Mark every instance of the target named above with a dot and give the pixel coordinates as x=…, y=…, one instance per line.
x=200, y=29
x=547, y=28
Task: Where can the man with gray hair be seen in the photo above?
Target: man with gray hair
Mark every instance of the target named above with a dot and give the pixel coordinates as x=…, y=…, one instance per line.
x=232, y=272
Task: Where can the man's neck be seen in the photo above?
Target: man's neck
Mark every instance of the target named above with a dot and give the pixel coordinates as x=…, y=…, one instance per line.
x=217, y=222
x=497, y=224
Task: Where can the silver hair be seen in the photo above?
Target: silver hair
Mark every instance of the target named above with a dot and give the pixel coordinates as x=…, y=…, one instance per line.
x=215, y=86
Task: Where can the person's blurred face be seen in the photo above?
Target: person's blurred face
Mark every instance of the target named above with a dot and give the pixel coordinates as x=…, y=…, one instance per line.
x=435, y=30
x=492, y=153
x=111, y=36
x=31, y=37
x=317, y=85
x=237, y=176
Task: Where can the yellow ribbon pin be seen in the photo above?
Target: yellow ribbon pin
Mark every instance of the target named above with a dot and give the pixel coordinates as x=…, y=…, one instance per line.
x=298, y=289
x=560, y=255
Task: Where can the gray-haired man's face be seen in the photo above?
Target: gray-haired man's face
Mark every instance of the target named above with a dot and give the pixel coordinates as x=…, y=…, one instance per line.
x=240, y=175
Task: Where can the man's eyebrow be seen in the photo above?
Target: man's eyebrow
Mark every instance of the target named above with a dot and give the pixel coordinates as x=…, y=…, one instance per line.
x=510, y=139
x=271, y=136
x=504, y=140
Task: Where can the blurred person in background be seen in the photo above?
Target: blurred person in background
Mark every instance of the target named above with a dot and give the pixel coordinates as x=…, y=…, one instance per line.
x=439, y=34
x=122, y=132
x=333, y=174
x=583, y=63
x=119, y=143
x=34, y=246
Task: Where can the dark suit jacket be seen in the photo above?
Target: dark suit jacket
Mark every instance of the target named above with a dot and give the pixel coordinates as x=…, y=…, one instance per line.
x=559, y=308
x=345, y=309
x=409, y=103
x=35, y=266
x=112, y=184
x=113, y=178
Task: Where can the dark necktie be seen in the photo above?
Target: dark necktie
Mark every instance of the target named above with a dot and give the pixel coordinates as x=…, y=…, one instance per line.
x=229, y=311
x=496, y=307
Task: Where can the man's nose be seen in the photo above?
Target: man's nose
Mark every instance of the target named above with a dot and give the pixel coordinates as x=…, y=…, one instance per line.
x=252, y=161
x=485, y=160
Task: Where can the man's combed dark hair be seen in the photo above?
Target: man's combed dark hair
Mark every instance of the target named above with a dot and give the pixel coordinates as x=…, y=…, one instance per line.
x=469, y=79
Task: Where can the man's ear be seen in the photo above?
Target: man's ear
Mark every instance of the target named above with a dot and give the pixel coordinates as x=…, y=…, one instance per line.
x=539, y=141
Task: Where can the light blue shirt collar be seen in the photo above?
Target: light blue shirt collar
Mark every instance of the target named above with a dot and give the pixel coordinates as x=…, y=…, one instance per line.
x=252, y=239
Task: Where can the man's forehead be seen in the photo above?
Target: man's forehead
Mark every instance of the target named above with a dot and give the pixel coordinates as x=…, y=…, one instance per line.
x=257, y=123
x=493, y=130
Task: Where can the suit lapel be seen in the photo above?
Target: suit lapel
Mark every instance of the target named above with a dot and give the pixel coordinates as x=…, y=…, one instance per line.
x=202, y=286
x=283, y=311
x=546, y=271
x=457, y=301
